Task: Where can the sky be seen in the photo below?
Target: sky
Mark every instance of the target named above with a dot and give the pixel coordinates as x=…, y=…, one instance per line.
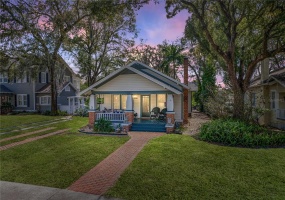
x=154, y=27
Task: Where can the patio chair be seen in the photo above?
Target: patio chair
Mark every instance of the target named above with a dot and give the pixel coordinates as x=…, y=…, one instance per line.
x=154, y=113
x=162, y=114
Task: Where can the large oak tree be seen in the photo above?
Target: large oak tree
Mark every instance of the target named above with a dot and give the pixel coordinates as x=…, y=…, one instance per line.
x=241, y=33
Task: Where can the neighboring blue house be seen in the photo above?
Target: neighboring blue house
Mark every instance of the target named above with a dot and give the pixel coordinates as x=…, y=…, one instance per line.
x=27, y=94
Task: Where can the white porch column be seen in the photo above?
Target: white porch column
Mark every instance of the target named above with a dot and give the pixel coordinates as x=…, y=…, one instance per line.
x=69, y=106
x=170, y=103
x=92, y=102
x=129, y=103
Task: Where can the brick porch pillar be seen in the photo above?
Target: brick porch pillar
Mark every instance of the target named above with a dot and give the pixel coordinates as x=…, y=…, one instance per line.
x=170, y=122
x=130, y=116
x=92, y=117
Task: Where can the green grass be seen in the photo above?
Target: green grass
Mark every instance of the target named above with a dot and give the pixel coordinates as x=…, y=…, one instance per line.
x=17, y=120
x=56, y=161
x=180, y=167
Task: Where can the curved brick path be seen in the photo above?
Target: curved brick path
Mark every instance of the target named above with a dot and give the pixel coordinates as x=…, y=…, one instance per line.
x=104, y=175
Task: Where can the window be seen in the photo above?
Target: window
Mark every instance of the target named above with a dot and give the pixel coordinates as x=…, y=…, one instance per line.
x=43, y=78
x=66, y=78
x=124, y=102
x=273, y=99
x=116, y=101
x=119, y=101
x=45, y=100
x=24, y=79
x=22, y=100
x=160, y=101
x=67, y=88
x=3, y=78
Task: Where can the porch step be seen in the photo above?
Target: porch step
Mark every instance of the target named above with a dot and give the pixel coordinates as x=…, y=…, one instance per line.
x=148, y=127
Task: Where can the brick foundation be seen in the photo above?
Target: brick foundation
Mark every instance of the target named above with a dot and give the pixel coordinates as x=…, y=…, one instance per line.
x=171, y=116
x=130, y=116
x=92, y=118
x=126, y=127
x=169, y=129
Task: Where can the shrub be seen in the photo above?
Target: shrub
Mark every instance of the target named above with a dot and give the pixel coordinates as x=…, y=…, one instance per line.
x=238, y=133
x=103, y=125
x=82, y=112
x=62, y=113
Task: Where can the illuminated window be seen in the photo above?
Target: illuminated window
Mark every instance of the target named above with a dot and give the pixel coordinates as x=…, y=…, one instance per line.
x=161, y=99
x=116, y=101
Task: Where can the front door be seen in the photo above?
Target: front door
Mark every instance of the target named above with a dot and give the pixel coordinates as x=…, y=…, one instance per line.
x=145, y=106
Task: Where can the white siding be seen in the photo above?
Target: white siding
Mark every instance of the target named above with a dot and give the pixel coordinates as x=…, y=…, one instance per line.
x=130, y=82
x=177, y=106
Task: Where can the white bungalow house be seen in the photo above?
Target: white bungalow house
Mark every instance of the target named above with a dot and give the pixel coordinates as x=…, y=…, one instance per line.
x=131, y=92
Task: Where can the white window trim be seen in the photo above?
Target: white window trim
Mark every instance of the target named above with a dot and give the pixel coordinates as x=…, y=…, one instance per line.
x=43, y=77
x=67, y=88
x=48, y=101
x=67, y=79
x=3, y=78
x=24, y=105
x=276, y=98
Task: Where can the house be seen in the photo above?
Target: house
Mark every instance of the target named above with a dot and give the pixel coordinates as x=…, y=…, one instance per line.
x=131, y=92
x=268, y=92
x=27, y=94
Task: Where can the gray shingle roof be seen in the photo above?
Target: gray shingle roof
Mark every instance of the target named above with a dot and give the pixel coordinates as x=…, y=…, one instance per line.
x=4, y=89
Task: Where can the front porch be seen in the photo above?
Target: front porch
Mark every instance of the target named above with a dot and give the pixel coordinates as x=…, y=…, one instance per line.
x=134, y=116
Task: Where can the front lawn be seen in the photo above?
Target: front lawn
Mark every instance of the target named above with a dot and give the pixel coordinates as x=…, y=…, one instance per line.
x=56, y=161
x=180, y=167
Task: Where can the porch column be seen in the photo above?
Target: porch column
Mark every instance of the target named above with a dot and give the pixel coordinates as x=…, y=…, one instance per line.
x=170, y=114
x=129, y=111
x=170, y=103
x=69, y=106
x=92, y=102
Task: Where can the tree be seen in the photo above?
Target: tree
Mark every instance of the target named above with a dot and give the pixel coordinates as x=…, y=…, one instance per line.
x=101, y=45
x=34, y=32
x=166, y=57
x=240, y=33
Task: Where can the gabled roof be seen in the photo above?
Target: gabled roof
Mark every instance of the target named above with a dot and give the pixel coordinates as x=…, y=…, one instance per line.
x=5, y=90
x=277, y=75
x=144, y=71
x=47, y=88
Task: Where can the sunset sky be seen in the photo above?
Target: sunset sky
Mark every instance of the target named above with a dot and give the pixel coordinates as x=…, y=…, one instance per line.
x=154, y=27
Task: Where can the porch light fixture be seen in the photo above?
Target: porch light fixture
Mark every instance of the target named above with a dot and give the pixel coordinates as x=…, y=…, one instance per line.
x=135, y=96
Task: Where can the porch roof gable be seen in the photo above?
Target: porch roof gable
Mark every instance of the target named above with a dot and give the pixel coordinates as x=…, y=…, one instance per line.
x=144, y=71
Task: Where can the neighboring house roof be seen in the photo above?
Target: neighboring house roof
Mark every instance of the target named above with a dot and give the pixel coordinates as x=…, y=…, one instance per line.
x=277, y=75
x=5, y=90
x=144, y=71
x=67, y=66
x=47, y=88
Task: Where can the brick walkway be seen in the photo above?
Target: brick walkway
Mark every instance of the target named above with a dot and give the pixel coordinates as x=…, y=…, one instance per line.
x=26, y=134
x=104, y=175
x=32, y=139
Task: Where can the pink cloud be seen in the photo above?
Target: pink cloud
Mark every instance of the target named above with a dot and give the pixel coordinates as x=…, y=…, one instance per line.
x=155, y=27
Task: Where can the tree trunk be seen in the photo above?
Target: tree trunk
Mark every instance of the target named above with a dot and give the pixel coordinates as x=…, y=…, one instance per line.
x=53, y=90
x=238, y=107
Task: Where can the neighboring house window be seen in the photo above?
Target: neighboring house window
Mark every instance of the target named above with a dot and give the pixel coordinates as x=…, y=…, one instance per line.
x=45, y=100
x=24, y=79
x=273, y=99
x=67, y=88
x=3, y=78
x=22, y=100
x=253, y=99
x=66, y=78
x=161, y=99
x=43, y=77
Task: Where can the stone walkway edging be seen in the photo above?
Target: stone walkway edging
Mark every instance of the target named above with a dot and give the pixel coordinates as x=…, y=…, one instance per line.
x=104, y=175
x=26, y=134
x=32, y=139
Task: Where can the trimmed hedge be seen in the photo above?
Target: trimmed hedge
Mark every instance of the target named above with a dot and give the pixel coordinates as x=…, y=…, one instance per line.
x=238, y=133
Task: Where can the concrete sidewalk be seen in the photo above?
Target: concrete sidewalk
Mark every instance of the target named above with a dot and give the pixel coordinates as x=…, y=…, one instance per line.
x=17, y=191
